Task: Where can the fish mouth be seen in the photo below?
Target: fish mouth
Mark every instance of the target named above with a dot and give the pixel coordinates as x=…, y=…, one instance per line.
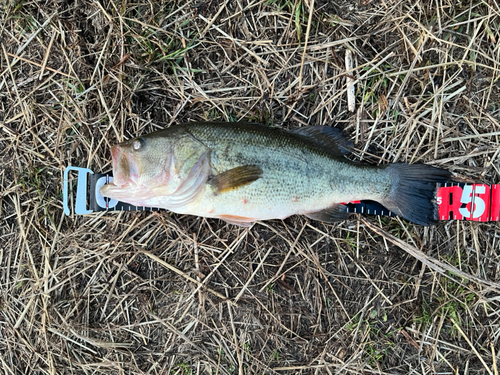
x=125, y=170
x=125, y=176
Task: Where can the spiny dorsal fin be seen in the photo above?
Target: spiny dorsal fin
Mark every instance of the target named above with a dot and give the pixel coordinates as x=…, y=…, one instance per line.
x=329, y=139
x=235, y=178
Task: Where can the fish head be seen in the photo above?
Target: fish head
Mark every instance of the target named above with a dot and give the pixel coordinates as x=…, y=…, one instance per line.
x=140, y=165
x=165, y=169
x=141, y=161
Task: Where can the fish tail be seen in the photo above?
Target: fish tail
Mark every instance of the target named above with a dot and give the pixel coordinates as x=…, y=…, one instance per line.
x=413, y=191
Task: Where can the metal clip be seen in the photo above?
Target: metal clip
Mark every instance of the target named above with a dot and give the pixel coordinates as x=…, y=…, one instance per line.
x=81, y=191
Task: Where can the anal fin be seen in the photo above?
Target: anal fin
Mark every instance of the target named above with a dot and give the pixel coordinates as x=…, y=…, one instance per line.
x=337, y=212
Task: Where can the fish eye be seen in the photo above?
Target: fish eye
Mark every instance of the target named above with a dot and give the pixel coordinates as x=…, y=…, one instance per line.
x=138, y=144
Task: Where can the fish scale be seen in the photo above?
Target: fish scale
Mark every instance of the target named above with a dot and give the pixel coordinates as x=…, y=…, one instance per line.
x=289, y=182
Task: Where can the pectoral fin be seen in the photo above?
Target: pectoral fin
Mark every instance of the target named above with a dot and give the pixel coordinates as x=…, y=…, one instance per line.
x=335, y=213
x=235, y=178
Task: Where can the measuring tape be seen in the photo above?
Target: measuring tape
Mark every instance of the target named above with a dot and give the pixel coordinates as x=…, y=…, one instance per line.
x=474, y=202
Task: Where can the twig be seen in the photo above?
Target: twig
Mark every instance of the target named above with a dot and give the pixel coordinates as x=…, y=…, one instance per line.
x=309, y=20
x=472, y=346
x=39, y=65
x=351, y=99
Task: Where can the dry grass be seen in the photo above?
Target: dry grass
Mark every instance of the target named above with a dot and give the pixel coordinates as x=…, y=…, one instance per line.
x=157, y=293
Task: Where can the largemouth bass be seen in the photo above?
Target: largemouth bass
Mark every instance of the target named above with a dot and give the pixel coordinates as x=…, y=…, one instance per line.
x=241, y=172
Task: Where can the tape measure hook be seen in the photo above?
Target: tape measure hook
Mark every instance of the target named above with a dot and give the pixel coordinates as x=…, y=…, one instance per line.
x=81, y=190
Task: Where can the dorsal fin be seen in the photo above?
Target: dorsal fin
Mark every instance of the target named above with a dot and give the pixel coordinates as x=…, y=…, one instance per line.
x=235, y=178
x=329, y=139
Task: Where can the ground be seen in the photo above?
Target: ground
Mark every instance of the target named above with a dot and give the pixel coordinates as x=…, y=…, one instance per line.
x=158, y=293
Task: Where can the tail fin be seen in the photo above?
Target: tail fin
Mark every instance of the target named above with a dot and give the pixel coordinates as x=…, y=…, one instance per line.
x=413, y=192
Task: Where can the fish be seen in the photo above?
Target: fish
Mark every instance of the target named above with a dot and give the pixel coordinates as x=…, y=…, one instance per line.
x=247, y=172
